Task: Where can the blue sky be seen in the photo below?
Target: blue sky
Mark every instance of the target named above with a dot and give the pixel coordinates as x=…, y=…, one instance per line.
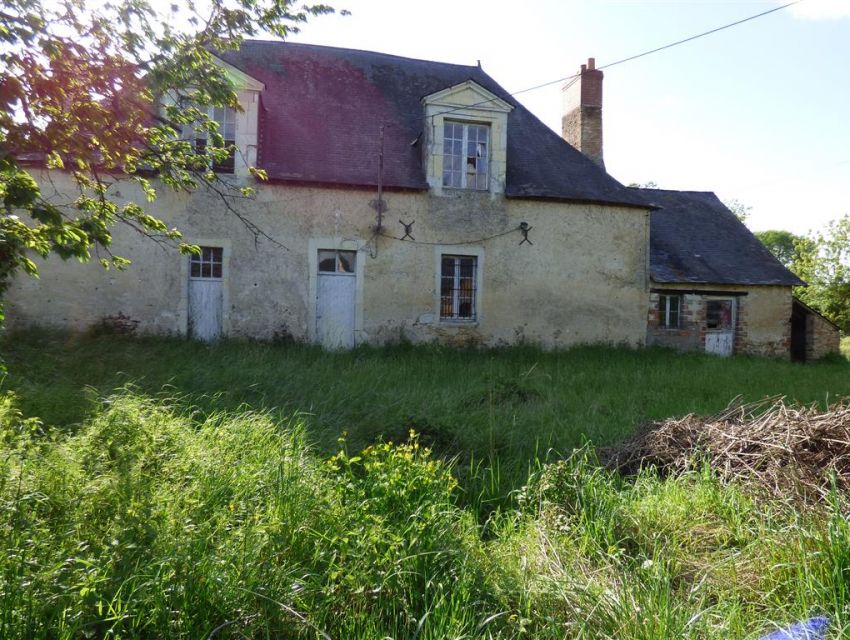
x=759, y=113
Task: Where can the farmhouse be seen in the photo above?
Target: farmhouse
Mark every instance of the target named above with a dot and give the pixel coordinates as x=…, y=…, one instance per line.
x=713, y=284
x=410, y=199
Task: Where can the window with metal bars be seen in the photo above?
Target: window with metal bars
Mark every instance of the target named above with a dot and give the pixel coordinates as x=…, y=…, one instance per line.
x=669, y=308
x=466, y=155
x=208, y=264
x=458, y=288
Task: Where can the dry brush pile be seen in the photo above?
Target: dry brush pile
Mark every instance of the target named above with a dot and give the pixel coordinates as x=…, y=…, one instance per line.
x=786, y=450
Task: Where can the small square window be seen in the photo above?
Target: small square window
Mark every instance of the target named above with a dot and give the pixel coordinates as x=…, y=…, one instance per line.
x=208, y=264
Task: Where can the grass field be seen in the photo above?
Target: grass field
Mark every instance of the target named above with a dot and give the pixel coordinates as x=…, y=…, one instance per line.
x=508, y=408
x=172, y=488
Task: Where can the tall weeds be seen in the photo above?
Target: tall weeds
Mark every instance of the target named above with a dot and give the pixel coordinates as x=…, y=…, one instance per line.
x=145, y=523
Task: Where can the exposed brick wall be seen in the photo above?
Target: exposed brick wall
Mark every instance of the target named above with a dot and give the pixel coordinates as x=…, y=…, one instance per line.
x=822, y=337
x=762, y=322
x=581, y=124
x=690, y=336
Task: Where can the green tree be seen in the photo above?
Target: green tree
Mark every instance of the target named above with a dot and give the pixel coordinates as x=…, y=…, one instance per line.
x=823, y=261
x=105, y=94
x=784, y=245
x=741, y=210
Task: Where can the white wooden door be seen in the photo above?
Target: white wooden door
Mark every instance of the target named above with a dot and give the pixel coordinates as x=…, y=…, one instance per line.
x=205, y=294
x=205, y=309
x=720, y=327
x=720, y=343
x=335, y=310
x=336, y=290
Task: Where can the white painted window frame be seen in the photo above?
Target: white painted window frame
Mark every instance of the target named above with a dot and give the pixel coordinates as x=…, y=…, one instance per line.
x=664, y=310
x=465, y=125
x=195, y=135
x=466, y=102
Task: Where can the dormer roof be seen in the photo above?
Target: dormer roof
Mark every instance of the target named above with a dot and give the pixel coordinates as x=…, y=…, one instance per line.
x=470, y=95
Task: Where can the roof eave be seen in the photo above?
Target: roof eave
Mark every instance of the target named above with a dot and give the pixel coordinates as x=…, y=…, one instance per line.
x=575, y=200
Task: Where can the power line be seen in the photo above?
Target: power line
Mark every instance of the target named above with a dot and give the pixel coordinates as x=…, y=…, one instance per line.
x=666, y=46
x=451, y=244
x=634, y=57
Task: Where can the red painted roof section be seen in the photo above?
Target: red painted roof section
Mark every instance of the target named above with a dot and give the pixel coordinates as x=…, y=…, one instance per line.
x=321, y=119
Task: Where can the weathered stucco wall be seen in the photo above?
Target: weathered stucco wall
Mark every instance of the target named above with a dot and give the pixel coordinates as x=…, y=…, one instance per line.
x=582, y=280
x=822, y=337
x=763, y=320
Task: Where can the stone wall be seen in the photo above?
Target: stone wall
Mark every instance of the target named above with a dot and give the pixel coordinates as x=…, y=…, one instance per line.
x=689, y=336
x=762, y=321
x=822, y=337
x=583, y=279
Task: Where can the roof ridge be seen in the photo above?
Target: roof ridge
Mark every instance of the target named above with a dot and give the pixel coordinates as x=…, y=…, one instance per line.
x=367, y=51
x=674, y=190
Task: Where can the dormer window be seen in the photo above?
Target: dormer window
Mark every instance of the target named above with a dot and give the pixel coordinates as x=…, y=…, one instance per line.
x=226, y=119
x=466, y=159
x=466, y=140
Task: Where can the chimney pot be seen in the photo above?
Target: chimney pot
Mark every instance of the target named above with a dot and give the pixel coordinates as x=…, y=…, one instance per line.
x=591, y=63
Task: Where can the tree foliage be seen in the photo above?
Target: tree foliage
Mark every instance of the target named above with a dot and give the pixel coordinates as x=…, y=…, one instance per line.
x=823, y=261
x=106, y=92
x=784, y=245
x=741, y=210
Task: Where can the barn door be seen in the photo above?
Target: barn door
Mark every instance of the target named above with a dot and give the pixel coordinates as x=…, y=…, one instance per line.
x=205, y=294
x=336, y=288
x=720, y=327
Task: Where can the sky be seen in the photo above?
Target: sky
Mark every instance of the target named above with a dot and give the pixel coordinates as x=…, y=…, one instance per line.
x=759, y=113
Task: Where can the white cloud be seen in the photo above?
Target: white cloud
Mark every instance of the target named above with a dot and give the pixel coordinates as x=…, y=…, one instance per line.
x=821, y=9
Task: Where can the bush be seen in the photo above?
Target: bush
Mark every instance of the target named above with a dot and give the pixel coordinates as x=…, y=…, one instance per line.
x=143, y=524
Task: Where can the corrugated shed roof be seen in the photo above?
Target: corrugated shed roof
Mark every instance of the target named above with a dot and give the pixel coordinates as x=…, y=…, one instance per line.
x=323, y=108
x=695, y=239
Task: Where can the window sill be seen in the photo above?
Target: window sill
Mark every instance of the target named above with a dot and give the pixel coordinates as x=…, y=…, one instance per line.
x=458, y=323
x=456, y=190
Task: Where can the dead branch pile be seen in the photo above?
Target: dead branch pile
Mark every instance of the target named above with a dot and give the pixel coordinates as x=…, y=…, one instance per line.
x=789, y=451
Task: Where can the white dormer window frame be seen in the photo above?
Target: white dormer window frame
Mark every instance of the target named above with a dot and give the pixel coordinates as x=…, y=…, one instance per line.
x=473, y=108
x=466, y=155
x=226, y=118
x=242, y=125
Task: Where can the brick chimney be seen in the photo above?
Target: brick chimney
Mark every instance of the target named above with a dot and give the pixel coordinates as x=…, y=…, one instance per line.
x=581, y=123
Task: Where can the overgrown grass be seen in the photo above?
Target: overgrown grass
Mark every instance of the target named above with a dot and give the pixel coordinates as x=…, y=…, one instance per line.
x=151, y=521
x=500, y=412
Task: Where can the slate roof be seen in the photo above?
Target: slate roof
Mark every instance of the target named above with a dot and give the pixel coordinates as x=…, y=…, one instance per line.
x=323, y=106
x=695, y=239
